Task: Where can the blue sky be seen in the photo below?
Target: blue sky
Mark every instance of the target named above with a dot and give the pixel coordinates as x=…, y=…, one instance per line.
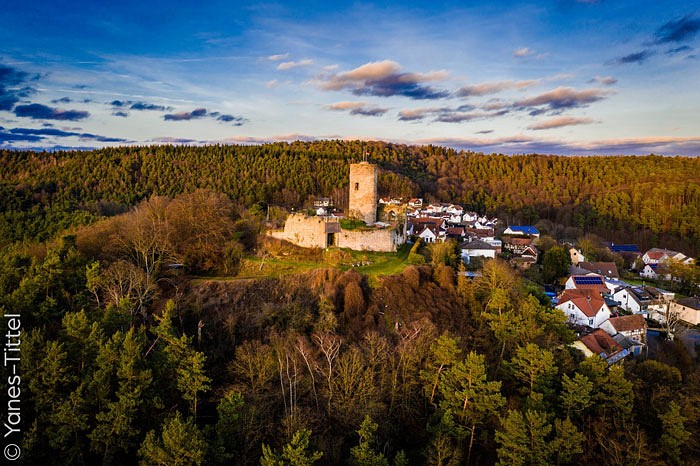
x=560, y=76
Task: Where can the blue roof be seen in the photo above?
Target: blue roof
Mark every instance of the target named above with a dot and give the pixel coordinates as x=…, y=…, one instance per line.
x=624, y=247
x=528, y=230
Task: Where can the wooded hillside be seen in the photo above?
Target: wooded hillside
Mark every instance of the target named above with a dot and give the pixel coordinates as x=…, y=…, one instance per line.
x=652, y=200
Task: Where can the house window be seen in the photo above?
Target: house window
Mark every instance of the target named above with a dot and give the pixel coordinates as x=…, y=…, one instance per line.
x=590, y=322
x=357, y=186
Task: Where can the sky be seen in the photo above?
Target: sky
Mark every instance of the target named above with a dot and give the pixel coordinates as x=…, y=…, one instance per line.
x=570, y=77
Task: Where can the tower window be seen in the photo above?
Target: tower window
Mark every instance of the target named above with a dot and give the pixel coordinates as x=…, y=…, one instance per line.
x=357, y=186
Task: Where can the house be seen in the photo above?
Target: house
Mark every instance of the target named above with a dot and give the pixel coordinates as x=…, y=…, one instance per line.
x=416, y=225
x=590, y=282
x=659, y=256
x=654, y=272
x=516, y=245
x=606, y=269
x=584, y=307
x=455, y=233
x=599, y=343
x=576, y=256
x=688, y=310
x=524, y=230
x=430, y=234
x=635, y=299
x=454, y=209
x=477, y=248
x=529, y=253
x=470, y=217
x=634, y=327
x=416, y=202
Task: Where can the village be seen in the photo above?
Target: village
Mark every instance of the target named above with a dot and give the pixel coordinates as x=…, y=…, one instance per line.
x=612, y=318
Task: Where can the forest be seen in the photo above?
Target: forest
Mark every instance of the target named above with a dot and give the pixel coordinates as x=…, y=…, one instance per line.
x=650, y=200
x=139, y=345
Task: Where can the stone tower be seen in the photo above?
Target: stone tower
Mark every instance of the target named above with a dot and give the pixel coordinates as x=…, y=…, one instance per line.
x=363, y=192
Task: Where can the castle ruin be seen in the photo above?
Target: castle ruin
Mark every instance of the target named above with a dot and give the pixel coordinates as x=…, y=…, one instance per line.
x=325, y=231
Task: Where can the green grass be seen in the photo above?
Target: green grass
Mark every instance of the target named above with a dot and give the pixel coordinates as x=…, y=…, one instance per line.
x=371, y=264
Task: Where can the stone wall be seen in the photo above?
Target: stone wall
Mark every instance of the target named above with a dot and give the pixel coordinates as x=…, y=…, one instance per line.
x=380, y=240
x=307, y=232
x=363, y=192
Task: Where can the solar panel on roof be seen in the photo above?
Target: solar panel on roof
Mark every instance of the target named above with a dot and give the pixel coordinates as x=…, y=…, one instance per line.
x=588, y=280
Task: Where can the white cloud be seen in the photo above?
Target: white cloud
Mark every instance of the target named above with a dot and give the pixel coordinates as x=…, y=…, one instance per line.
x=288, y=65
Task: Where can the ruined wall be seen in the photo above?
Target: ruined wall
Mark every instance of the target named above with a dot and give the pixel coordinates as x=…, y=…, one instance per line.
x=304, y=231
x=363, y=192
x=384, y=240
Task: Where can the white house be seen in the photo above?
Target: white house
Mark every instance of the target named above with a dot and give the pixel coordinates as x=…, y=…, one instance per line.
x=477, y=248
x=590, y=282
x=629, y=300
x=470, y=217
x=654, y=272
x=659, y=256
x=430, y=234
x=583, y=308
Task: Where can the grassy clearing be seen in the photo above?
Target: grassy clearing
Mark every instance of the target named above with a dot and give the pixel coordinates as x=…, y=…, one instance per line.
x=371, y=264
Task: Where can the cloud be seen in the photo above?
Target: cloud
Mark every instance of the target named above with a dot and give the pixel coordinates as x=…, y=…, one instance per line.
x=485, y=131
x=560, y=122
x=519, y=144
x=13, y=86
x=121, y=114
x=523, y=52
x=637, y=57
x=605, y=80
x=278, y=57
x=561, y=98
x=494, y=87
x=288, y=65
x=186, y=116
x=147, y=106
x=237, y=121
x=384, y=79
x=120, y=103
x=271, y=84
x=358, y=108
x=677, y=50
x=448, y=114
x=44, y=112
x=173, y=140
x=62, y=100
x=200, y=113
x=680, y=30
x=36, y=135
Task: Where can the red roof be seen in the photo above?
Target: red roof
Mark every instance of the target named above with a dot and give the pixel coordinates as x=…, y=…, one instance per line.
x=588, y=301
x=655, y=254
x=598, y=341
x=629, y=323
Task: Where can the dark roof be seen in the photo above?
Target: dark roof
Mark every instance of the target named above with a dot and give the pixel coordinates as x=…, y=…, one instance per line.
x=693, y=303
x=623, y=247
x=476, y=244
x=609, y=269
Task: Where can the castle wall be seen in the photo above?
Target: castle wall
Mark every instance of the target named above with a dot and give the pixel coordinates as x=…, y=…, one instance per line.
x=304, y=231
x=384, y=240
x=363, y=192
